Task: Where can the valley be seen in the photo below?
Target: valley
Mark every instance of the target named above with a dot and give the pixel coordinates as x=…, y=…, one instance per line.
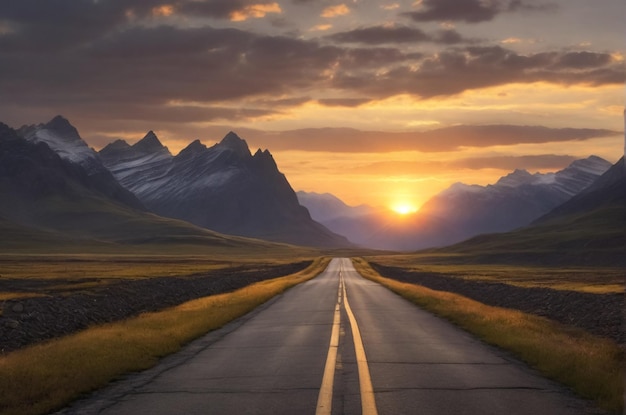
x=94, y=243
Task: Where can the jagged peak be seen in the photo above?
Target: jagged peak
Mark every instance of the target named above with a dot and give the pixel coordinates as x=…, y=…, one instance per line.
x=194, y=147
x=149, y=143
x=62, y=127
x=515, y=178
x=233, y=142
x=594, y=162
x=117, y=145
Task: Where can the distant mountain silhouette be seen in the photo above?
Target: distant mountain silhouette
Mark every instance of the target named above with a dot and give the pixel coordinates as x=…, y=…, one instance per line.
x=463, y=211
x=224, y=188
x=590, y=228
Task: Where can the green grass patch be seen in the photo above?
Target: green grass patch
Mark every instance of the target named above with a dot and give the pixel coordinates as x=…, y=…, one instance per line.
x=591, y=366
x=45, y=377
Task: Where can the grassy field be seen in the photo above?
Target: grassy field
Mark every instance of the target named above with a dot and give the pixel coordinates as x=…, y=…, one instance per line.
x=72, y=272
x=41, y=378
x=579, y=278
x=591, y=366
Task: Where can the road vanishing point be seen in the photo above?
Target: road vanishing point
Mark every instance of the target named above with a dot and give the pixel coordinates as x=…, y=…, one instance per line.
x=337, y=344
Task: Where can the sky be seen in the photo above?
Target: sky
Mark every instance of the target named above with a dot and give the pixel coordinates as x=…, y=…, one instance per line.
x=378, y=102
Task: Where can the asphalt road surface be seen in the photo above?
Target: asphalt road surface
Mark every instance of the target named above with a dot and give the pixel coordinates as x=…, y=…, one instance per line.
x=338, y=344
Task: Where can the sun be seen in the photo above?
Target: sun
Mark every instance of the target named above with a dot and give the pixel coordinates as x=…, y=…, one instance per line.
x=404, y=208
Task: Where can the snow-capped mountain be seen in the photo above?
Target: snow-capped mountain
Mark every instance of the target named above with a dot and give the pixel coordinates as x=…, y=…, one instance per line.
x=63, y=138
x=50, y=202
x=514, y=200
x=463, y=210
x=223, y=188
x=140, y=168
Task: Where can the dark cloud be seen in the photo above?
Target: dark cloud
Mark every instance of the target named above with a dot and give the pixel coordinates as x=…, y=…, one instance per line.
x=67, y=54
x=54, y=25
x=543, y=162
x=583, y=60
x=377, y=35
x=160, y=64
x=444, y=139
x=456, y=70
x=470, y=11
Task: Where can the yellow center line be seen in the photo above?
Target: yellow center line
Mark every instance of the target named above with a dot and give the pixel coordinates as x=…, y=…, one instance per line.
x=325, y=397
x=368, y=404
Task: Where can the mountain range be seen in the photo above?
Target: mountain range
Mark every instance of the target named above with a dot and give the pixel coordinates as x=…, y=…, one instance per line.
x=53, y=181
x=587, y=229
x=462, y=210
x=48, y=201
x=223, y=188
x=54, y=187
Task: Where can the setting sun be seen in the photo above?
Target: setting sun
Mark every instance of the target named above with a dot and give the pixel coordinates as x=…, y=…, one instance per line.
x=404, y=208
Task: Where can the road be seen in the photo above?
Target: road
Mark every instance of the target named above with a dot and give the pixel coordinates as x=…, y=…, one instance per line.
x=338, y=344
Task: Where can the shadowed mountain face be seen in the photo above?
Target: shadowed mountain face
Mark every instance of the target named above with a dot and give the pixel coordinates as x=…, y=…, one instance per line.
x=64, y=140
x=462, y=211
x=513, y=201
x=587, y=229
x=46, y=200
x=224, y=188
x=609, y=190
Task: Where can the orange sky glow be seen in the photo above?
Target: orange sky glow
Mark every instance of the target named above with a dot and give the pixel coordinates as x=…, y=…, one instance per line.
x=379, y=103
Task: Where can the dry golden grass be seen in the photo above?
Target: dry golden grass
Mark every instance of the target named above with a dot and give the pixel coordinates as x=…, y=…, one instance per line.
x=598, y=280
x=590, y=365
x=14, y=296
x=45, y=377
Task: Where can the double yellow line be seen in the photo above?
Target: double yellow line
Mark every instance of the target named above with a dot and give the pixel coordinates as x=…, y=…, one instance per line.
x=325, y=397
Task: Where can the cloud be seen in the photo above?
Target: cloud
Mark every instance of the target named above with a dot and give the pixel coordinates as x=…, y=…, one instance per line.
x=444, y=139
x=469, y=11
x=543, y=162
x=456, y=70
x=321, y=28
x=376, y=35
x=343, y=102
x=334, y=11
x=254, y=10
x=391, y=6
x=67, y=54
x=56, y=25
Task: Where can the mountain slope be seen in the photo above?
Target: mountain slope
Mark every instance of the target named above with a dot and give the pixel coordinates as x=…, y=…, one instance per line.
x=514, y=200
x=64, y=140
x=463, y=211
x=590, y=228
x=223, y=188
x=325, y=207
x=45, y=198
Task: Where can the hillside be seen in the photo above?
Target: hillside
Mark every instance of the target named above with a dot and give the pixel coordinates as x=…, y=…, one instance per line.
x=588, y=229
x=224, y=188
x=48, y=200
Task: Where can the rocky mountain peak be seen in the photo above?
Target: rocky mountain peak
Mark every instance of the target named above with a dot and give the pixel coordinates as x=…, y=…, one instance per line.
x=62, y=127
x=516, y=178
x=592, y=164
x=117, y=145
x=149, y=144
x=194, y=148
x=233, y=142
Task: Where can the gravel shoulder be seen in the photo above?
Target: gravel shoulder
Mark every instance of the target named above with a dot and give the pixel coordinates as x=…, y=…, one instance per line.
x=27, y=321
x=600, y=314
